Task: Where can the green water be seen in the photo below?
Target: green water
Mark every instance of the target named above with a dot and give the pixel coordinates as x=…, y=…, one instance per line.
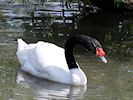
x=111, y=81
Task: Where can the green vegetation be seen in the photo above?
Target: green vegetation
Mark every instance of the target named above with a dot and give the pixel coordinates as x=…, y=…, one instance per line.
x=117, y=3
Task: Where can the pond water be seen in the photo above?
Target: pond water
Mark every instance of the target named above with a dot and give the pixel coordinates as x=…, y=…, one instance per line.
x=33, y=21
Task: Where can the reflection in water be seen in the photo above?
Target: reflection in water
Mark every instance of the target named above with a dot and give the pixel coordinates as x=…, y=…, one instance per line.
x=44, y=89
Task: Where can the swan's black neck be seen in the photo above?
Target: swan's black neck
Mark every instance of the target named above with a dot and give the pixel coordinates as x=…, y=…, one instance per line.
x=70, y=44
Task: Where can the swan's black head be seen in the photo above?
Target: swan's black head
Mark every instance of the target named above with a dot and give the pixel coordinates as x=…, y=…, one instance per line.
x=94, y=46
x=89, y=43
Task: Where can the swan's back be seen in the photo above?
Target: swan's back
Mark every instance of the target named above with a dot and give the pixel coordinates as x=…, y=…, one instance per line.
x=43, y=60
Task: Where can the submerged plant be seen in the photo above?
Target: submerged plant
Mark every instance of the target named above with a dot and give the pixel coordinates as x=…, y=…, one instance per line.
x=117, y=3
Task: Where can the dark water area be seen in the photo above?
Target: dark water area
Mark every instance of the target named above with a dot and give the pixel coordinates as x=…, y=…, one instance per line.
x=54, y=22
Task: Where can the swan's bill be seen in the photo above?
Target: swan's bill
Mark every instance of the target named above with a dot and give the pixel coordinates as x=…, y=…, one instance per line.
x=103, y=59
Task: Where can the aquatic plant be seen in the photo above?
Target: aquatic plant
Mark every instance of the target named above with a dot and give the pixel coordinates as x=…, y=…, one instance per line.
x=117, y=3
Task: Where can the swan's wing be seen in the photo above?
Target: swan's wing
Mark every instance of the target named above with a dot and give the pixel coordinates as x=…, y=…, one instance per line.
x=48, y=54
x=44, y=60
x=41, y=55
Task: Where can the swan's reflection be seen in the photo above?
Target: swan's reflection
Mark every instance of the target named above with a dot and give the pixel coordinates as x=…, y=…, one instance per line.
x=44, y=89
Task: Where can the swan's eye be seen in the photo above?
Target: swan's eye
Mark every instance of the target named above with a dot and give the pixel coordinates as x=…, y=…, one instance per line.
x=99, y=52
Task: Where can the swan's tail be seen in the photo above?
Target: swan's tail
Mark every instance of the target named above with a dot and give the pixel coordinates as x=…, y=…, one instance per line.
x=21, y=44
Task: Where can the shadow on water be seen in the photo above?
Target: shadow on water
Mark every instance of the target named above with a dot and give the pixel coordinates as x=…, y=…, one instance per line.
x=55, y=22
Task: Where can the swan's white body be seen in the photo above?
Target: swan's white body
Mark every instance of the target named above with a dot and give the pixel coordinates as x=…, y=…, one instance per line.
x=46, y=60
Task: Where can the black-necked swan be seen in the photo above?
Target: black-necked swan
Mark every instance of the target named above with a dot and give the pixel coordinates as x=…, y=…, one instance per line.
x=49, y=61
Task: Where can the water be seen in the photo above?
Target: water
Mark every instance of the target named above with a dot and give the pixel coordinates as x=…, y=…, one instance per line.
x=111, y=81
